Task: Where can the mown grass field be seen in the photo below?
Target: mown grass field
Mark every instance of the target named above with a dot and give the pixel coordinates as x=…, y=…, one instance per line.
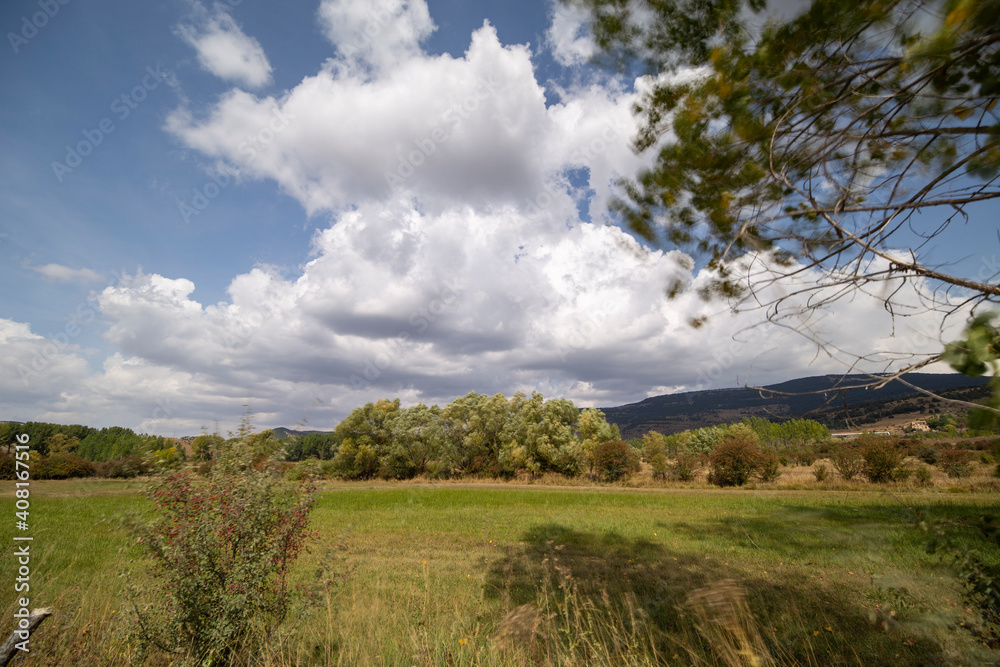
x=448, y=574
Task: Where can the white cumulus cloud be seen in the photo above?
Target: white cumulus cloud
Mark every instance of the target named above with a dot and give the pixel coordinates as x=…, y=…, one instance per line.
x=466, y=247
x=64, y=274
x=380, y=34
x=224, y=49
x=569, y=35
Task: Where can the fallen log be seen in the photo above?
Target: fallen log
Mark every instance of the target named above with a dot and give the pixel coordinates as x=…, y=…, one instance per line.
x=9, y=648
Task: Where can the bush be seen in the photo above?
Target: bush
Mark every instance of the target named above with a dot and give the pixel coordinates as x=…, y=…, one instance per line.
x=7, y=466
x=327, y=469
x=928, y=454
x=397, y=465
x=660, y=466
x=125, y=468
x=684, y=467
x=805, y=457
x=847, y=460
x=62, y=466
x=654, y=451
x=733, y=461
x=955, y=462
x=222, y=551
x=923, y=475
x=306, y=469
x=355, y=462
x=902, y=473
x=439, y=470
x=484, y=465
x=615, y=460
x=768, y=467
x=821, y=472
x=168, y=458
x=883, y=462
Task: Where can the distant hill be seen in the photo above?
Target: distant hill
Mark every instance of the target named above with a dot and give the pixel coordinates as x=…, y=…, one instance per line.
x=835, y=408
x=281, y=432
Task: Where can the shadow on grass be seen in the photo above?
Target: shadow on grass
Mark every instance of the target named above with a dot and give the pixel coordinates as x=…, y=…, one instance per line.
x=807, y=533
x=799, y=621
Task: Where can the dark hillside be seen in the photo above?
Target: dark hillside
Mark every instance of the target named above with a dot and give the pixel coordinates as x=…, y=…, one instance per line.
x=676, y=412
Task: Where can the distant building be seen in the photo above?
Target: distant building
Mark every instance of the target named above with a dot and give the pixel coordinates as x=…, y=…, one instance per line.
x=919, y=425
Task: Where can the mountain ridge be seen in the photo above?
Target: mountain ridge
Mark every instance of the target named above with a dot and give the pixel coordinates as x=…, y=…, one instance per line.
x=671, y=413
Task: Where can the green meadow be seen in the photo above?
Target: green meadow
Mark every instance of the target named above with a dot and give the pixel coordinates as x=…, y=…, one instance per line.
x=450, y=574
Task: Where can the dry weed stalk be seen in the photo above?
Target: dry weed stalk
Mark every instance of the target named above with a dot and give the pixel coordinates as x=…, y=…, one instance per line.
x=724, y=620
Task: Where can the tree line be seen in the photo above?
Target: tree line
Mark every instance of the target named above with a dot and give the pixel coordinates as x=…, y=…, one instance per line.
x=475, y=435
x=493, y=436
x=92, y=444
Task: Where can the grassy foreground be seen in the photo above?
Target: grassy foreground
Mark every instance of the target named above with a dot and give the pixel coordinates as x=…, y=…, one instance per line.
x=494, y=575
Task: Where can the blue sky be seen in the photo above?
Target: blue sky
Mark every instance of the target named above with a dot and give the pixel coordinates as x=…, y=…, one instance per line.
x=311, y=206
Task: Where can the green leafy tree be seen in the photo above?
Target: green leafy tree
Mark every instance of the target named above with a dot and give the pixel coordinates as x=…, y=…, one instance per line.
x=977, y=354
x=841, y=142
x=322, y=446
x=371, y=425
x=205, y=445
x=8, y=435
x=768, y=432
x=168, y=458
x=703, y=440
x=39, y=433
x=654, y=451
x=355, y=461
x=680, y=442
x=111, y=443
x=540, y=436
x=473, y=431
x=60, y=443
x=417, y=439
x=594, y=432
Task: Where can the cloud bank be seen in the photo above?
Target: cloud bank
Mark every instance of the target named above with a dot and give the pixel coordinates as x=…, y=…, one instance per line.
x=464, y=246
